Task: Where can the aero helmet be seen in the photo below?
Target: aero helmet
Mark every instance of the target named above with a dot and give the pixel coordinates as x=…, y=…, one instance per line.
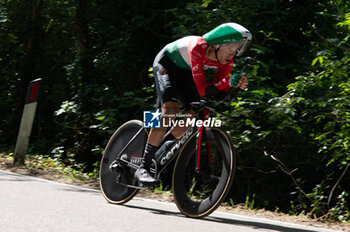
x=229, y=33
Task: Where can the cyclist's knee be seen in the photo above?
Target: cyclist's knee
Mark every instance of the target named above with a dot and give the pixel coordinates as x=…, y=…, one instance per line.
x=170, y=110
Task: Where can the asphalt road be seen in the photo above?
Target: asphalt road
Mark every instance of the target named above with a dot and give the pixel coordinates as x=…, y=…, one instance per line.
x=33, y=205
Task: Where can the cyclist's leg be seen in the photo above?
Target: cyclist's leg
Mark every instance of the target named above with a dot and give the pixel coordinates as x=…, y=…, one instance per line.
x=178, y=131
x=166, y=97
x=169, y=111
x=187, y=93
x=156, y=135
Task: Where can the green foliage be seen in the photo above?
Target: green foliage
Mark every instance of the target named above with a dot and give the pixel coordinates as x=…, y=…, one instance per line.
x=70, y=168
x=249, y=203
x=326, y=105
x=322, y=102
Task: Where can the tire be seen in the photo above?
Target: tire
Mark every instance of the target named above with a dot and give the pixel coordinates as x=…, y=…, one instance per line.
x=199, y=194
x=113, y=192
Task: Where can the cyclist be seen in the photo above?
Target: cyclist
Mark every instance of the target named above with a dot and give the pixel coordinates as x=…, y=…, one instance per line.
x=180, y=76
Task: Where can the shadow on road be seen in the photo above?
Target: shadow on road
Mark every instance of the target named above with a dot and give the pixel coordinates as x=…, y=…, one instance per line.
x=81, y=190
x=251, y=224
x=156, y=211
x=256, y=225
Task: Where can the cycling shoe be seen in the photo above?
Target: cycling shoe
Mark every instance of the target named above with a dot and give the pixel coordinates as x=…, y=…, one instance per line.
x=144, y=178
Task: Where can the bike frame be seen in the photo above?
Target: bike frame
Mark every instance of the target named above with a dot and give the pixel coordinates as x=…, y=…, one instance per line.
x=177, y=147
x=174, y=150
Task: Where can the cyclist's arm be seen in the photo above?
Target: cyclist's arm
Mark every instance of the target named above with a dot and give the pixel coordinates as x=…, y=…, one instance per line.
x=198, y=73
x=220, y=83
x=221, y=79
x=220, y=86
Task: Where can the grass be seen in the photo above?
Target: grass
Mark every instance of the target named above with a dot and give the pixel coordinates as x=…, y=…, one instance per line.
x=51, y=168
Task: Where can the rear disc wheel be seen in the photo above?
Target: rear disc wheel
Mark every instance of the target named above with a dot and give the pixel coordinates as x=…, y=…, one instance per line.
x=113, y=192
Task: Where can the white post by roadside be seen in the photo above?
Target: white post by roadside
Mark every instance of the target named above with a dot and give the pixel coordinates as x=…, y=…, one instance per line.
x=27, y=121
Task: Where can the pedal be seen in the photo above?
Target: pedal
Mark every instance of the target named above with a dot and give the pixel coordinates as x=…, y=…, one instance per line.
x=113, y=166
x=118, y=177
x=152, y=187
x=117, y=170
x=140, y=184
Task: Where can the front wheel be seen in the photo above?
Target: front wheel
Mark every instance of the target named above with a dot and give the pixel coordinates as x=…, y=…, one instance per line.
x=197, y=194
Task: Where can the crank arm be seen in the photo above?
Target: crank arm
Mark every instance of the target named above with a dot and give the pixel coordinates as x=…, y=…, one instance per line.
x=134, y=166
x=133, y=186
x=127, y=163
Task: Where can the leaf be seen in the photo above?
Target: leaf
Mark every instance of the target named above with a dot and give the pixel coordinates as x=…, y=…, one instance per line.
x=319, y=59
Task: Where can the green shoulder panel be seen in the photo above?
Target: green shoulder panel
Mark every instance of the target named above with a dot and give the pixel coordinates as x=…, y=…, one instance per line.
x=173, y=52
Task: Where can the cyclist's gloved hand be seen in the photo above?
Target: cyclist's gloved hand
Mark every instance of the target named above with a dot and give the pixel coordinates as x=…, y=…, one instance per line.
x=238, y=81
x=219, y=98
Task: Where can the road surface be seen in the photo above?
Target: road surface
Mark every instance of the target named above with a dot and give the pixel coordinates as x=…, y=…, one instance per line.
x=35, y=205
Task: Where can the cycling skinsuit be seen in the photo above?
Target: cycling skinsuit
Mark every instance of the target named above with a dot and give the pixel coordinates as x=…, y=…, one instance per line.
x=180, y=72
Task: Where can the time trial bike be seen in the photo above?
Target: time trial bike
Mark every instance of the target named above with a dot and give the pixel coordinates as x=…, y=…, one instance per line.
x=203, y=171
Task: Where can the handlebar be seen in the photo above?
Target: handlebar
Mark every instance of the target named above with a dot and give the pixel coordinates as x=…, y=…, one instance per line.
x=233, y=92
x=203, y=104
